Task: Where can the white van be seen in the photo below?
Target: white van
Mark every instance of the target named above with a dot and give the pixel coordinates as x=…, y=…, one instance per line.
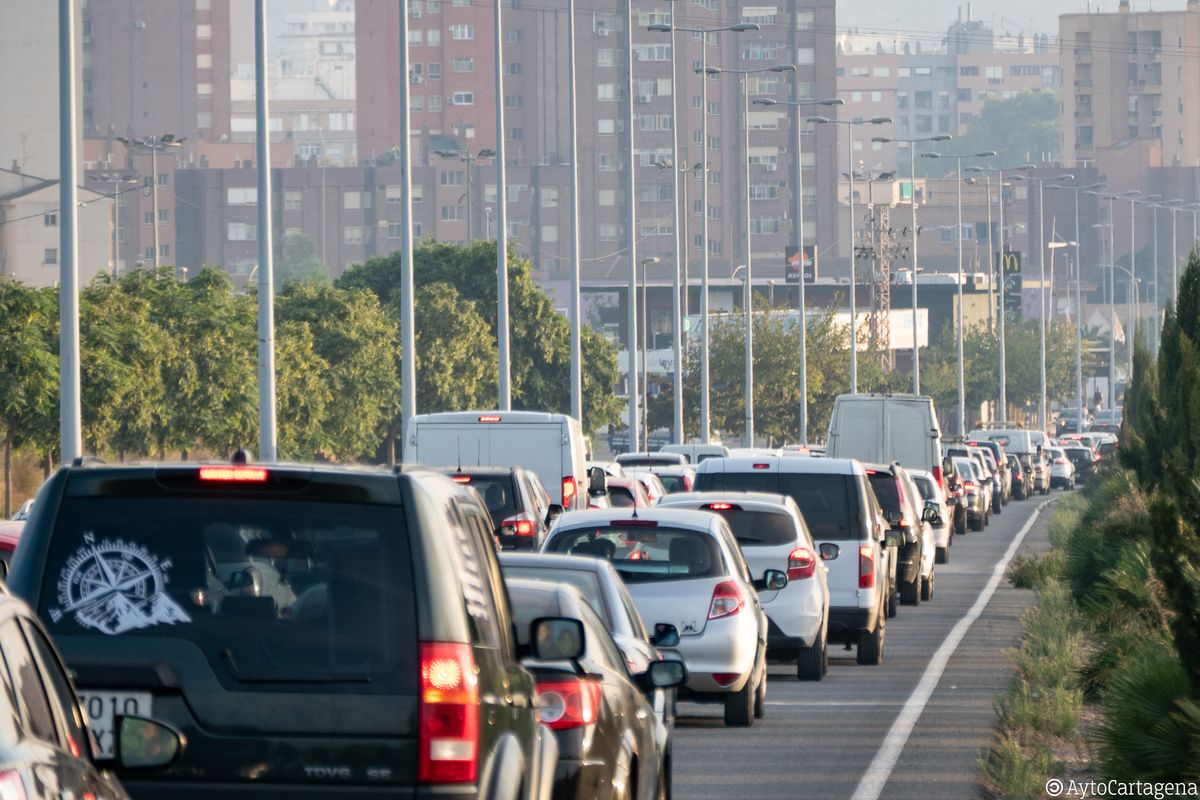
x=885, y=428
x=1013, y=440
x=696, y=452
x=551, y=445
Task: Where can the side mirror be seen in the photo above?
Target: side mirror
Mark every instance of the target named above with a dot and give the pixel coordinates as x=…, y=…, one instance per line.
x=829, y=551
x=893, y=539
x=597, y=481
x=665, y=635
x=662, y=675
x=556, y=638
x=892, y=516
x=931, y=514
x=554, y=512
x=772, y=581
x=142, y=743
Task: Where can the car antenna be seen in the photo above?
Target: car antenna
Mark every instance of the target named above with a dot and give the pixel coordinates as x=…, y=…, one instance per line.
x=478, y=453
x=458, y=448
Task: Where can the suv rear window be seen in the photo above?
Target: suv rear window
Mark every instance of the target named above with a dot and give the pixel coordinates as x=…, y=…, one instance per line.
x=498, y=493
x=759, y=528
x=886, y=491
x=646, y=554
x=828, y=502
x=271, y=592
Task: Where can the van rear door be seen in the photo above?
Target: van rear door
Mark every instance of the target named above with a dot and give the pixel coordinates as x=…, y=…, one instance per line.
x=536, y=446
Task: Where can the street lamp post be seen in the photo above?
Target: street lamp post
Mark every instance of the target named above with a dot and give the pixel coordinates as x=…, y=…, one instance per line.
x=705, y=407
x=645, y=339
x=749, y=354
x=798, y=198
x=962, y=395
x=468, y=158
x=912, y=171
x=117, y=179
x=745, y=75
x=153, y=145
x=573, y=192
x=679, y=297
x=1112, y=291
x=1136, y=198
x=850, y=123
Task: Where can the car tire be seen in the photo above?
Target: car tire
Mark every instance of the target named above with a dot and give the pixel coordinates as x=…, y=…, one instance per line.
x=664, y=780
x=893, y=602
x=910, y=591
x=977, y=524
x=927, y=586
x=960, y=526
x=998, y=508
x=943, y=555
x=739, y=706
x=760, y=696
x=870, y=644
x=813, y=661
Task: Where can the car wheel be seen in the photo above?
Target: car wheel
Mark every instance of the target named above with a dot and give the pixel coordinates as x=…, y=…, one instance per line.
x=910, y=591
x=977, y=524
x=927, y=586
x=960, y=525
x=664, y=781
x=998, y=507
x=870, y=645
x=760, y=696
x=943, y=555
x=893, y=601
x=813, y=661
x=739, y=706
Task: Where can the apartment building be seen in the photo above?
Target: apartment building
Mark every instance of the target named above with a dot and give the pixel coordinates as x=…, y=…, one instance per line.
x=1130, y=76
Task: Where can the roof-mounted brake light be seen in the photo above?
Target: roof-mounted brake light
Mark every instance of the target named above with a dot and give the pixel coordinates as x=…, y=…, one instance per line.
x=234, y=474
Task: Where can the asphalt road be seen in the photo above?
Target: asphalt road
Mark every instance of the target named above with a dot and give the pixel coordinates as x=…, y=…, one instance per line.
x=912, y=727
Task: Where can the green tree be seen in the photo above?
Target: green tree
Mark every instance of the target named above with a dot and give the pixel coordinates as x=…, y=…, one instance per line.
x=28, y=369
x=1021, y=128
x=456, y=352
x=303, y=395
x=298, y=262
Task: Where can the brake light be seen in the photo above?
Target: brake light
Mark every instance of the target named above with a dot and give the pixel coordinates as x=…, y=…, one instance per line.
x=448, y=746
x=726, y=600
x=801, y=564
x=938, y=477
x=1062, y=462
x=725, y=678
x=634, y=523
x=461, y=478
x=762, y=466
x=722, y=507
x=490, y=418
x=562, y=705
x=687, y=483
x=969, y=486
x=232, y=474
x=520, y=525
x=866, y=566
x=568, y=491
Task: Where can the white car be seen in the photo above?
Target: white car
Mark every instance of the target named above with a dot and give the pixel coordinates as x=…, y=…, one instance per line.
x=772, y=534
x=677, y=478
x=939, y=520
x=650, y=459
x=1062, y=471
x=684, y=568
x=655, y=488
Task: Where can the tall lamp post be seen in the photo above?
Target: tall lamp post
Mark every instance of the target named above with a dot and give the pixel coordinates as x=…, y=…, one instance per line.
x=912, y=171
x=645, y=340
x=705, y=394
x=962, y=394
x=850, y=123
x=117, y=179
x=747, y=307
x=1112, y=291
x=745, y=75
x=1136, y=199
x=1175, y=206
x=153, y=145
x=679, y=284
x=468, y=158
x=798, y=198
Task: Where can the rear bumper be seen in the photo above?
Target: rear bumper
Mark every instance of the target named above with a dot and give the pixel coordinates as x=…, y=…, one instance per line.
x=845, y=624
x=581, y=778
x=162, y=790
x=781, y=647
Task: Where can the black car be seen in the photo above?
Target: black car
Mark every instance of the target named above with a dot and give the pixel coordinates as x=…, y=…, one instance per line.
x=904, y=513
x=520, y=508
x=955, y=494
x=312, y=631
x=45, y=746
x=1022, y=484
x=611, y=743
x=1084, y=460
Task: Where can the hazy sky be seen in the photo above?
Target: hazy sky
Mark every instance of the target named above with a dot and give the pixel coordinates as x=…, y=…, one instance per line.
x=1011, y=16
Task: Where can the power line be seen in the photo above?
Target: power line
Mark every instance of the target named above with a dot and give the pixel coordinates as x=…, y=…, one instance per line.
x=80, y=204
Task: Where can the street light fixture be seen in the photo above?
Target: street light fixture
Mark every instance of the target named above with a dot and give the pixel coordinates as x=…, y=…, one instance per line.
x=742, y=27
x=962, y=395
x=749, y=265
x=912, y=167
x=798, y=197
x=468, y=158
x=153, y=145
x=849, y=123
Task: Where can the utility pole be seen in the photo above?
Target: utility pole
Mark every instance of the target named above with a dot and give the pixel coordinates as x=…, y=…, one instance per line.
x=266, y=287
x=70, y=426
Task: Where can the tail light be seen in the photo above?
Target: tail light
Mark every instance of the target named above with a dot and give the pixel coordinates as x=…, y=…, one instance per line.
x=568, y=704
x=725, y=678
x=726, y=600
x=1062, y=462
x=938, y=477
x=969, y=486
x=569, y=488
x=866, y=566
x=521, y=526
x=449, y=714
x=230, y=474
x=11, y=785
x=801, y=564
x=687, y=483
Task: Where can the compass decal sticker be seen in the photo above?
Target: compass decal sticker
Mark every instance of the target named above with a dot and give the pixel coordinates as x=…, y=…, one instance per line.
x=116, y=586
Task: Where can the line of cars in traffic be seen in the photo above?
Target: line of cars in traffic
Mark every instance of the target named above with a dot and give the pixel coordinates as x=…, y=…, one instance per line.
x=476, y=628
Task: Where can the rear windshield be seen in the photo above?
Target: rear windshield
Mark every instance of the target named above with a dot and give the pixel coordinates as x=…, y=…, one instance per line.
x=498, y=495
x=673, y=483
x=586, y=581
x=646, y=554
x=620, y=497
x=270, y=592
x=886, y=491
x=828, y=502
x=645, y=461
x=926, y=486
x=760, y=528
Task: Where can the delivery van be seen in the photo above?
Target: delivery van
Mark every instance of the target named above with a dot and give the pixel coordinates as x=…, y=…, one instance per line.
x=551, y=445
x=887, y=428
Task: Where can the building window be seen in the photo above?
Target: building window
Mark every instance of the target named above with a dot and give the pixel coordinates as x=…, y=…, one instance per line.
x=462, y=32
x=204, y=61
x=416, y=102
x=148, y=217
x=240, y=232
x=352, y=200
x=514, y=68
x=606, y=197
x=50, y=255
x=395, y=230
x=50, y=220
x=148, y=254
x=292, y=201
x=607, y=232
x=549, y=197
x=241, y=196
x=352, y=234
x=514, y=101
x=516, y=134
x=416, y=37
x=452, y=177
x=606, y=92
x=452, y=213
x=923, y=99
x=435, y=102
x=606, y=162
x=204, y=31
x=463, y=99
x=606, y=126
x=604, y=57
x=164, y=215
x=164, y=251
x=463, y=64
x=549, y=233
x=433, y=38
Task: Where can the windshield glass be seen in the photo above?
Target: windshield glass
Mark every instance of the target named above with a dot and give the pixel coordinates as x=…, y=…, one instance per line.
x=759, y=528
x=828, y=502
x=498, y=496
x=586, y=581
x=269, y=592
x=645, y=553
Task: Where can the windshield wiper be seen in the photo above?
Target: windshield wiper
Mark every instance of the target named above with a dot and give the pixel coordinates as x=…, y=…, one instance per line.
x=231, y=662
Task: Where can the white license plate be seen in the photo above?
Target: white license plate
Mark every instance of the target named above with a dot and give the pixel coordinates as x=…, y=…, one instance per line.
x=102, y=709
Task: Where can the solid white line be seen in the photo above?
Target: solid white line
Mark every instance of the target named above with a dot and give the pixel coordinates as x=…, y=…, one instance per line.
x=834, y=703
x=877, y=774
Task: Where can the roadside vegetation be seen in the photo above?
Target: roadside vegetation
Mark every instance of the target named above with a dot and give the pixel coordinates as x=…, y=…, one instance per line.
x=1115, y=634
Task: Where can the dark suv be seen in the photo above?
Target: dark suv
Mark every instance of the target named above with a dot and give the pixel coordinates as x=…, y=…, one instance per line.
x=520, y=508
x=311, y=630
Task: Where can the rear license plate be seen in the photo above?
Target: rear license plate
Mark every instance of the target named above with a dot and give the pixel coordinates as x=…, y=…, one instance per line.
x=102, y=709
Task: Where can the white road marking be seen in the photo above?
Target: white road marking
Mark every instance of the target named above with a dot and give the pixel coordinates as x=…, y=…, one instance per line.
x=834, y=703
x=876, y=775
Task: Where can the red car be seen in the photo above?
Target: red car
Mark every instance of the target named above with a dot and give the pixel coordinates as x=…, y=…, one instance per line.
x=10, y=534
x=624, y=493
